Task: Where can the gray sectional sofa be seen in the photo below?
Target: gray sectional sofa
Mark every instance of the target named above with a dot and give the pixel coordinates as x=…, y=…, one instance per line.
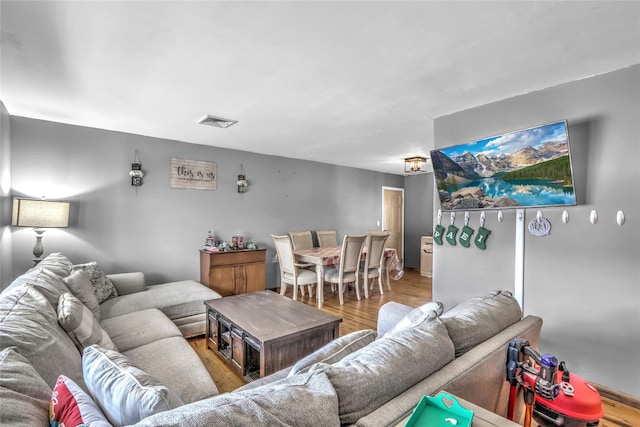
x=366, y=378
x=145, y=324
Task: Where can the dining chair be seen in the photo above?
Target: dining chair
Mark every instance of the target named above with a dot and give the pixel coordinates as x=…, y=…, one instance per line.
x=347, y=270
x=327, y=238
x=290, y=271
x=373, y=263
x=301, y=239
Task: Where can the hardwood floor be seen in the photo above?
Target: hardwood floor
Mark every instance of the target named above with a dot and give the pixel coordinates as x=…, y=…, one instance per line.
x=412, y=289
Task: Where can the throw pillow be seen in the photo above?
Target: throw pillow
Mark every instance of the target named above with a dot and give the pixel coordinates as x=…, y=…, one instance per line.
x=377, y=373
x=80, y=285
x=125, y=392
x=102, y=286
x=81, y=324
x=305, y=400
x=335, y=351
x=478, y=319
x=418, y=315
x=24, y=395
x=72, y=407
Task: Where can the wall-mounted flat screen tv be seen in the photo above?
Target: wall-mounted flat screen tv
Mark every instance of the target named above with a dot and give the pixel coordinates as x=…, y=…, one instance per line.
x=522, y=169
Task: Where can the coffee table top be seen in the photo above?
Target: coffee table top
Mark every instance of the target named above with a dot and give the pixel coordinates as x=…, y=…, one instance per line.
x=267, y=315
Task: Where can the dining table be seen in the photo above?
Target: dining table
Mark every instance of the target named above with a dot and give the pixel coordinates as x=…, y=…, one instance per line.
x=330, y=255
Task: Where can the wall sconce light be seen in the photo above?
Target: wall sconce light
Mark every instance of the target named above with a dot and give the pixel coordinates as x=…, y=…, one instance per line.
x=415, y=165
x=242, y=182
x=136, y=171
x=39, y=214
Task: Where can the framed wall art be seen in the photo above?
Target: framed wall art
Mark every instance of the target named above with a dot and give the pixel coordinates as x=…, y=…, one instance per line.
x=194, y=174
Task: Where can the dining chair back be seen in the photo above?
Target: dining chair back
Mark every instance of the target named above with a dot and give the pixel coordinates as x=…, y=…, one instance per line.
x=291, y=272
x=347, y=270
x=327, y=238
x=301, y=239
x=373, y=263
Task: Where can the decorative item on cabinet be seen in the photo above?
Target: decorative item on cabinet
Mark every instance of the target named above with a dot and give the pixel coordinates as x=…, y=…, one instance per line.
x=233, y=272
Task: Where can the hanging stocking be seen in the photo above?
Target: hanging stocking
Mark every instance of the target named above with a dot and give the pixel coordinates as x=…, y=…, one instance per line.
x=437, y=234
x=452, y=230
x=481, y=238
x=465, y=236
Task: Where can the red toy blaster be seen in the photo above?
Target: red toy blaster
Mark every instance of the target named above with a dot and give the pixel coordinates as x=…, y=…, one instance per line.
x=553, y=396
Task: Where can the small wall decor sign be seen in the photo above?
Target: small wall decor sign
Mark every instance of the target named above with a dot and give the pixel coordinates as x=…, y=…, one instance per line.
x=194, y=174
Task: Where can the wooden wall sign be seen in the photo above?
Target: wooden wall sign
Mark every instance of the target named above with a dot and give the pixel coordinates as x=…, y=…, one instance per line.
x=195, y=174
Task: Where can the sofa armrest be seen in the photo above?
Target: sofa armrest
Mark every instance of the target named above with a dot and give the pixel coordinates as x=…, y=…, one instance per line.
x=390, y=314
x=128, y=283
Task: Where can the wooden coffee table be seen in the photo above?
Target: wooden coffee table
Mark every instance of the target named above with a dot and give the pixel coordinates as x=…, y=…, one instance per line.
x=259, y=333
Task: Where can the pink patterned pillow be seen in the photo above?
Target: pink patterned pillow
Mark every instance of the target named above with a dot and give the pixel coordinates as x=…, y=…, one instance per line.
x=71, y=407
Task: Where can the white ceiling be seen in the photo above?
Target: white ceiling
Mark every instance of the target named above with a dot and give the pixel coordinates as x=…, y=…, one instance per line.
x=348, y=83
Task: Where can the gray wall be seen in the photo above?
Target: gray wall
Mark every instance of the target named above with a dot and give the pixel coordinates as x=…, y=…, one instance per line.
x=418, y=205
x=5, y=190
x=582, y=279
x=157, y=229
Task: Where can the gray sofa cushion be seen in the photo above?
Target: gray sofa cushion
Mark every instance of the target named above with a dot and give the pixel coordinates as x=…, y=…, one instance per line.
x=335, y=350
x=28, y=322
x=174, y=363
x=469, y=377
x=377, y=373
x=80, y=285
x=478, y=319
x=305, y=400
x=57, y=263
x=187, y=295
x=45, y=281
x=139, y=328
x=125, y=393
x=24, y=396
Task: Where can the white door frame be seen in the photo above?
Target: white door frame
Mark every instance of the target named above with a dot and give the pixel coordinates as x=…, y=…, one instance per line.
x=383, y=218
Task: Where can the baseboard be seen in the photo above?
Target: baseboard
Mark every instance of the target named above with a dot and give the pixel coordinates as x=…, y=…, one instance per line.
x=618, y=396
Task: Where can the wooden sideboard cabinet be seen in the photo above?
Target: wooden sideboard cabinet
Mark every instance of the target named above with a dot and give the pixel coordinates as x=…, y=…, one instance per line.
x=234, y=272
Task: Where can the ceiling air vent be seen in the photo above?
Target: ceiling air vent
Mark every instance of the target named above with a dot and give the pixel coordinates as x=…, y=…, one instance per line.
x=220, y=122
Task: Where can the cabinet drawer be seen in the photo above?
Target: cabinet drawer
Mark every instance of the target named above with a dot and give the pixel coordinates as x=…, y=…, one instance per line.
x=234, y=258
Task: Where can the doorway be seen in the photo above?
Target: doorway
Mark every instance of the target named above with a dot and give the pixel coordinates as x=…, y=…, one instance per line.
x=393, y=218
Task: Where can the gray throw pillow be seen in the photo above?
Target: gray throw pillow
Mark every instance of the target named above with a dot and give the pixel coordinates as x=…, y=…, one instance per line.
x=80, y=285
x=102, y=286
x=478, y=319
x=125, y=393
x=24, y=395
x=80, y=324
x=335, y=351
x=305, y=400
x=370, y=377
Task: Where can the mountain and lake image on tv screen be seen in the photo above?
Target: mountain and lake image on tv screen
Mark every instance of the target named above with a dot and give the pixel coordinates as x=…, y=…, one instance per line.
x=526, y=168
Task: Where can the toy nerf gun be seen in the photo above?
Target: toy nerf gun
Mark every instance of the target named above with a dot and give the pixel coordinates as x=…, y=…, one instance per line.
x=552, y=395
